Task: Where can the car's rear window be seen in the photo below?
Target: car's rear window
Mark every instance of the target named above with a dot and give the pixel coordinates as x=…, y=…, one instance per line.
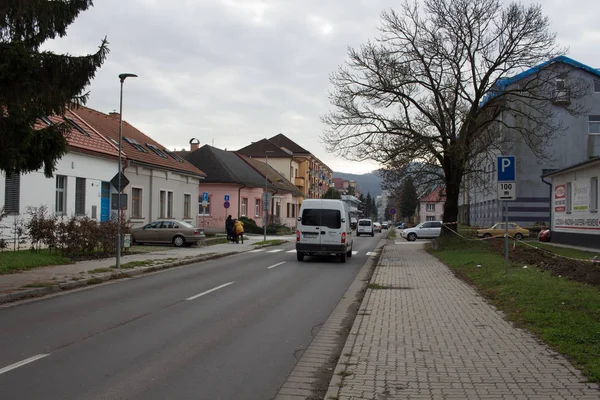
x=364, y=223
x=322, y=217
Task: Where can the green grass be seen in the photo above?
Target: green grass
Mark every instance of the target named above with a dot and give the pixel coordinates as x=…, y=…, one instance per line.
x=149, y=248
x=14, y=261
x=564, y=251
x=563, y=313
x=99, y=270
x=39, y=284
x=133, y=264
x=391, y=233
x=274, y=242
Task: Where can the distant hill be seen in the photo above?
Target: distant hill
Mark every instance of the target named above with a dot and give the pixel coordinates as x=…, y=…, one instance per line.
x=367, y=183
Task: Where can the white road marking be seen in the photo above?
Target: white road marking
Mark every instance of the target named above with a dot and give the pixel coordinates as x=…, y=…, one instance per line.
x=291, y=251
x=354, y=253
x=276, y=265
x=210, y=291
x=371, y=253
x=256, y=251
x=275, y=251
x=21, y=363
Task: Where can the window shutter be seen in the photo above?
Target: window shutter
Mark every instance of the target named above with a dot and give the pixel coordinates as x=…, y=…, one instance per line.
x=80, y=196
x=12, y=193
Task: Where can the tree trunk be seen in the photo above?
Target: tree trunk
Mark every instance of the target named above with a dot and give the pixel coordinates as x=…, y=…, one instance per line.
x=454, y=176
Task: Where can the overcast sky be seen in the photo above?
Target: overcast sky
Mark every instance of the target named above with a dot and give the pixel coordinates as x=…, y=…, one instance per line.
x=229, y=72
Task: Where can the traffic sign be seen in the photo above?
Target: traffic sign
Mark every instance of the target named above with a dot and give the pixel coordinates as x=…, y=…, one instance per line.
x=392, y=211
x=507, y=191
x=205, y=197
x=115, y=181
x=506, y=168
x=226, y=197
x=226, y=204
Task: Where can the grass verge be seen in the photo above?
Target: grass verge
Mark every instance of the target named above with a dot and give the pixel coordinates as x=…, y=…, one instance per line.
x=99, y=270
x=39, y=284
x=133, y=264
x=563, y=251
x=563, y=313
x=391, y=234
x=15, y=261
x=274, y=242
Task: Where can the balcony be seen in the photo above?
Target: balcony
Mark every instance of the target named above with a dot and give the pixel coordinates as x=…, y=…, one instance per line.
x=299, y=181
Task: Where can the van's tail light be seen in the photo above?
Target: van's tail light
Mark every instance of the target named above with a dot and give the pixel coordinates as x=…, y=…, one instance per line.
x=196, y=232
x=343, y=237
x=297, y=236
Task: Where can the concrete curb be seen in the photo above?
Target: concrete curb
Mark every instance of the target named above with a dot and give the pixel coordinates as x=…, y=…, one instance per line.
x=40, y=292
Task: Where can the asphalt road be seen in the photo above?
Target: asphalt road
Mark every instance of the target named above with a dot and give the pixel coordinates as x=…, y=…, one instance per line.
x=230, y=328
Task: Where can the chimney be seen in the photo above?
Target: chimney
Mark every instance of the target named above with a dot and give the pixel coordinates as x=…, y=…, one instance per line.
x=114, y=114
x=194, y=144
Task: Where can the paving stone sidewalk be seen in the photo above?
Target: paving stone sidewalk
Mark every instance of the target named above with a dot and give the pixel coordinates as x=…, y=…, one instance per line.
x=14, y=283
x=432, y=336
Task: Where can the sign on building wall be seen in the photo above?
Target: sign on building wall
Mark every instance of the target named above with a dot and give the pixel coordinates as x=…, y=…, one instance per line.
x=560, y=198
x=580, y=219
x=581, y=197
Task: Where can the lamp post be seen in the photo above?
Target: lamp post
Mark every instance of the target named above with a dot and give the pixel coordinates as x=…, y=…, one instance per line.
x=122, y=78
x=265, y=205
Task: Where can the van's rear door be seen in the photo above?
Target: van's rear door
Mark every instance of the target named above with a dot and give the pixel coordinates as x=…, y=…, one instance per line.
x=311, y=227
x=331, y=227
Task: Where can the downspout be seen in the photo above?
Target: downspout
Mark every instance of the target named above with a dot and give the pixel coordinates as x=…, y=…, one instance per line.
x=544, y=172
x=240, y=200
x=150, y=197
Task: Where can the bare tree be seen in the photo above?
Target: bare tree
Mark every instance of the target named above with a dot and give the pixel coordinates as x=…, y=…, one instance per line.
x=433, y=88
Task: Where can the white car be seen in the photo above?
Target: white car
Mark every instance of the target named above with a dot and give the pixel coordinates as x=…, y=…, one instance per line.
x=425, y=230
x=365, y=227
x=376, y=227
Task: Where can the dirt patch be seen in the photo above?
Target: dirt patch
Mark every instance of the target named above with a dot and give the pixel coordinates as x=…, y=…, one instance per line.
x=580, y=271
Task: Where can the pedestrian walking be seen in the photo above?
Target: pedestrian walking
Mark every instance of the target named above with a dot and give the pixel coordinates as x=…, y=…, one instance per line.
x=229, y=228
x=238, y=228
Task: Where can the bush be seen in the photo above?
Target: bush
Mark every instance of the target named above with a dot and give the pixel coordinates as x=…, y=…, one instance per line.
x=250, y=225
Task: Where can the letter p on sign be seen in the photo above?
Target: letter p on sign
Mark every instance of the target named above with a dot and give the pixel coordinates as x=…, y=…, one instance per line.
x=506, y=168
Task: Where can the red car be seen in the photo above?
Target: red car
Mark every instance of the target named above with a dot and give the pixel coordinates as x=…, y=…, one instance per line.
x=544, y=235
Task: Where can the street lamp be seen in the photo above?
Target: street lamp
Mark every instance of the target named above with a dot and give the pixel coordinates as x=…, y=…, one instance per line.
x=122, y=78
x=265, y=205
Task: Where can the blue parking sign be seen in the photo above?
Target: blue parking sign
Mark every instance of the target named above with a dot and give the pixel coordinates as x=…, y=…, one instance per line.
x=226, y=197
x=506, y=168
x=205, y=197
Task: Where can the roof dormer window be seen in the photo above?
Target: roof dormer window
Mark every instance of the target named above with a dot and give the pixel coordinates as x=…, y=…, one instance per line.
x=76, y=126
x=156, y=150
x=135, y=144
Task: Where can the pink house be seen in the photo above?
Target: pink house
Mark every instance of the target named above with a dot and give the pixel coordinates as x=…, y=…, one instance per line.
x=431, y=206
x=235, y=187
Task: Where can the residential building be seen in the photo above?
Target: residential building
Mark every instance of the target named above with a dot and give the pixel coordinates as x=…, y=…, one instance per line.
x=353, y=207
x=284, y=200
x=579, y=142
x=162, y=184
x=80, y=185
x=431, y=206
x=228, y=176
x=574, y=210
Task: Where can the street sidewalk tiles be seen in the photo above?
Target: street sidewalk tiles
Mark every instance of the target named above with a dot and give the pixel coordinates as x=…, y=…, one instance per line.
x=432, y=336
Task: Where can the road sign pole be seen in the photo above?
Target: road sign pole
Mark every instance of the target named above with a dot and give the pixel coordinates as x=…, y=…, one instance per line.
x=506, y=237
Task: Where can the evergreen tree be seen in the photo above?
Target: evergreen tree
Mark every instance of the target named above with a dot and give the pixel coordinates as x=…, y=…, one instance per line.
x=409, y=199
x=369, y=206
x=38, y=83
x=331, y=193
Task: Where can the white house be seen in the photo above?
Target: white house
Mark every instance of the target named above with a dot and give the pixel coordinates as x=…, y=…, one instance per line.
x=575, y=219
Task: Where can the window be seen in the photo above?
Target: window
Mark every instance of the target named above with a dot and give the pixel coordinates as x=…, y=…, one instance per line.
x=80, y=196
x=203, y=210
x=594, y=193
x=430, y=218
x=257, y=208
x=288, y=209
x=113, y=141
x=569, y=201
x=244, y=206
x=293, y=211
x=175, y=156
x=596, y=86
x=169, y=204
x=430, y=207
x=135, y=144
x=61, y=194
x=46, y=120
x=163, y=202
x=322, y=217
x=187, y=206
x=76, y=126
x=167, y=225
x=136, y=203
x=12, y=193
x=594, y=125
x=156, y=150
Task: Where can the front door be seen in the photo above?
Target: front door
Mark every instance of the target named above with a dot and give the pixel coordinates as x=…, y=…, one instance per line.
x=105, y=202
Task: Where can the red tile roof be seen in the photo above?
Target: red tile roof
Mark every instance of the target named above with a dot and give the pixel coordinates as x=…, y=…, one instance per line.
x=86, y=139
x=133, y=140
x=338, y=183
x=436, y=196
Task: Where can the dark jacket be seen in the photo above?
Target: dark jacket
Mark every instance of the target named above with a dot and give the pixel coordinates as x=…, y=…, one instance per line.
x=229, y=224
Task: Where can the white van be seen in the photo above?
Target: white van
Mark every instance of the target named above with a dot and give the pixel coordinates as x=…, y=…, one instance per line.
x=324, y=228
x=365, y=226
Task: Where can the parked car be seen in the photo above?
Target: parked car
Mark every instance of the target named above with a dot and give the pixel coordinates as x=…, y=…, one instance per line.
x=400, y=225
x=376, y=227
x=544, y=235
x=365, y=226
x=425, y=230
x=323, y=229
x=384, y=225
x=179, y=233
x=499, y=229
